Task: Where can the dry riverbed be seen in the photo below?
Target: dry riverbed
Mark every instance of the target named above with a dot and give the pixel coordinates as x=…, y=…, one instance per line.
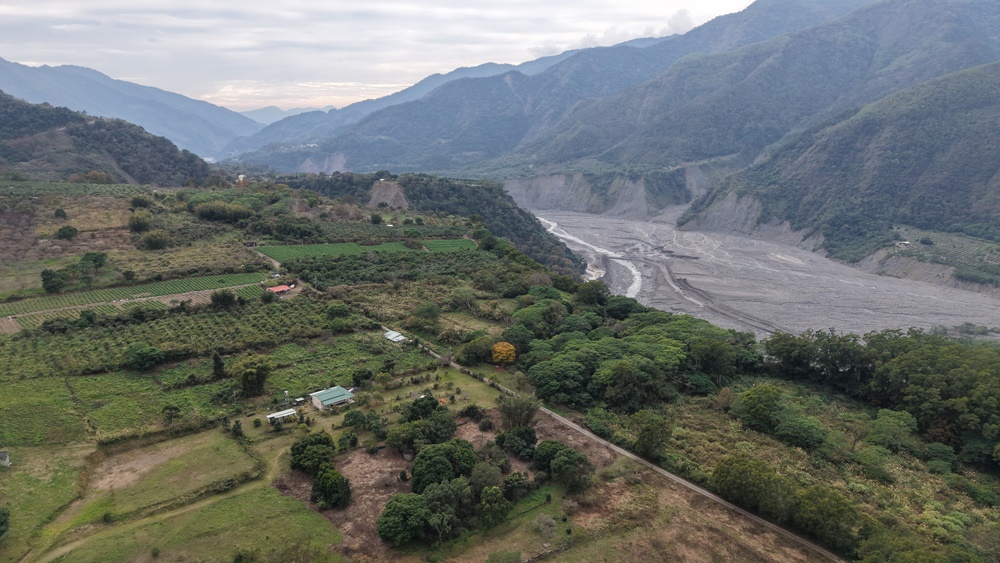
x=756, y=285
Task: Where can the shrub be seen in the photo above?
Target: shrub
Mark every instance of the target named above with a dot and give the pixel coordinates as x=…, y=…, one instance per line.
x=155, y=240
x=66, y=232
x=140, y=221
x=141, y=356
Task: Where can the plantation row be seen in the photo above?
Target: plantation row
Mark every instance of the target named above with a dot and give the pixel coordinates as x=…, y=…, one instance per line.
x=157, y=289
x=292, y=252
x=450, y=245
x=99, y=349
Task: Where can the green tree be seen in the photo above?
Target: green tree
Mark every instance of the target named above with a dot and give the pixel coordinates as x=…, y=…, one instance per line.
x=427, y=314
x=4, y=521
x=331, y=489
x=312, y=451
x=573, y=469
x=430, y=466
x=478, y=350
x=141, y=356
x=451, y=503
x=52, y=280
x=223, y=298
x=652, y=433
x=404, y=519
x=484, y=474
x=376, y=219
x=515, y=486
x=252, y=372
x=218, y=365
x=347, y=441
x=752, y=484
x=761, y=406
x=355, y=418
x=593, y=292
x=517, y=410
x=66, y=232
x=545, y=452
x=493, y=507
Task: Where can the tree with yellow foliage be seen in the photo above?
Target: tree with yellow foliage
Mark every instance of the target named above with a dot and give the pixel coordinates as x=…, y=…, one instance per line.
x=503, y=353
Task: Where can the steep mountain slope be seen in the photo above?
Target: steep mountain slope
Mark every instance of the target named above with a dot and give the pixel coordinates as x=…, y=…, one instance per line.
x=739, y=102
x=194, y=125
x=927, y=157
x=468, y=121
x=49, y=143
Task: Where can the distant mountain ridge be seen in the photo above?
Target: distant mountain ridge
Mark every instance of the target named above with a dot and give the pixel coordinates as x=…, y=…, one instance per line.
x=465, y=123
x=315, y=125
x=43, y=142
x=191, y=124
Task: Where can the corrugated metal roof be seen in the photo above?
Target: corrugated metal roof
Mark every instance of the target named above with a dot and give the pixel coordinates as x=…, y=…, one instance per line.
x=332, y=395
x=395, y=336
x=281, y=414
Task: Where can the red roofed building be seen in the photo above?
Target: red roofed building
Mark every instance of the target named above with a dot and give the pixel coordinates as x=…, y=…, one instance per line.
x=280, y=289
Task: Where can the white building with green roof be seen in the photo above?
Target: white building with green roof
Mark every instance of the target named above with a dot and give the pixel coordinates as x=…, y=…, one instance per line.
x=331, y=397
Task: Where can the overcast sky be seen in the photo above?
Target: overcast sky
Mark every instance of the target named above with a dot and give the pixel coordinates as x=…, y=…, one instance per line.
x=289, y=53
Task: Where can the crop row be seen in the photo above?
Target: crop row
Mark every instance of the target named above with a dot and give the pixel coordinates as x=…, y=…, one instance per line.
x=291, y=252
x=100, y=348
x=283, y=253
x=453, y=245
x=157, y=289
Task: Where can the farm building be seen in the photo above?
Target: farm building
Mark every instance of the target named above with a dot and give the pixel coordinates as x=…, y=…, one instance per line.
x=395, y=336
x=4, y=458
x=331, y=397
x=280, y=416
x=280, y=289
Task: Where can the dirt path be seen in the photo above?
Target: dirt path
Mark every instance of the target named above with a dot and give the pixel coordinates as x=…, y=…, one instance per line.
x=275, y=263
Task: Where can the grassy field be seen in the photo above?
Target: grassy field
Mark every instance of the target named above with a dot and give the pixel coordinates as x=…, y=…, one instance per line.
x=40, y=482
x=257, y=520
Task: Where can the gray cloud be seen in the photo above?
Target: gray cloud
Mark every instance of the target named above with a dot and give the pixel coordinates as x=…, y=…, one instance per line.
x=297, y=53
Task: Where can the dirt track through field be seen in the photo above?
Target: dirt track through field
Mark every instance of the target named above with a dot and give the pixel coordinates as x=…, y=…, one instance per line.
x=756, y=285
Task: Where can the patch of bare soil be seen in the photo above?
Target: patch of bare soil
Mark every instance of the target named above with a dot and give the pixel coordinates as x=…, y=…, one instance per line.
x=9, y=326
x=389, y=193
x=127, y=468
x=374, y=478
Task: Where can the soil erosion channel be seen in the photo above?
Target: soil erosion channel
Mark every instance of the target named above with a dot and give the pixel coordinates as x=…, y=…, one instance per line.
x=755, y=285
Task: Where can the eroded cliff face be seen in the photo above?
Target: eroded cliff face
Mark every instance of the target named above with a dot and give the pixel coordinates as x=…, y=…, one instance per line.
x=633, y=196
x=741, y=215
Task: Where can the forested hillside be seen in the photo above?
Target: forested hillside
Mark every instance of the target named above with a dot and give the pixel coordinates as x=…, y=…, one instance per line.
x=482, y=200
x=44, y=142
x=924, y=157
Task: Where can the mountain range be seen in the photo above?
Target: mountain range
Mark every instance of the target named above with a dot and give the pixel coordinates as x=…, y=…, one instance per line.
x=194, y=125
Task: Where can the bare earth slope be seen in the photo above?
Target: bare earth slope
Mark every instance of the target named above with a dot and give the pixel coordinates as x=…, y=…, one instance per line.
x=756, y=285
